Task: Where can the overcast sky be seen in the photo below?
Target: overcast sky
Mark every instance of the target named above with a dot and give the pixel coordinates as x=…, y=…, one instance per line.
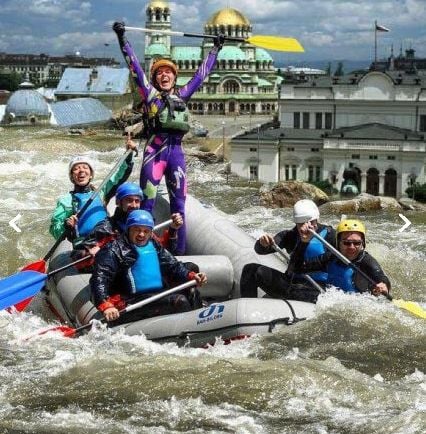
x=328, y=29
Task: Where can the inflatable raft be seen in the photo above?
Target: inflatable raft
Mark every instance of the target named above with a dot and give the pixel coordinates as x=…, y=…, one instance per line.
x=221, y=249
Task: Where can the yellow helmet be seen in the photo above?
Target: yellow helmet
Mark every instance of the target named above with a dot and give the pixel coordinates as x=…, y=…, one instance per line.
x=162, y=62
x=351, y=226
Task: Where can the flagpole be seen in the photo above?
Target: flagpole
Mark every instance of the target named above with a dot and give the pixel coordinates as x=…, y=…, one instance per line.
x=375, y=43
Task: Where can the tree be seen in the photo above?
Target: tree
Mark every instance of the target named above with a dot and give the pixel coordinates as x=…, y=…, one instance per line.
x=9, y=81
x=339, y=70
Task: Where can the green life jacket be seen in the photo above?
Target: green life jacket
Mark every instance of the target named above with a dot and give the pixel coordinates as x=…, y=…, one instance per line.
x=172, y=118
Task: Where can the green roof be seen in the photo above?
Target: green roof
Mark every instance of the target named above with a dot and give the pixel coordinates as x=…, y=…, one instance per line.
x=231, y=53
x=262, y=55
x=186, y=53
x=154, y=49
x=181, y=81
x=264, y=83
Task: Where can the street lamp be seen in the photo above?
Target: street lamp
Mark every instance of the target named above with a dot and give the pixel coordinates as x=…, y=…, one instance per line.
x=223, y=140
x=258, y=152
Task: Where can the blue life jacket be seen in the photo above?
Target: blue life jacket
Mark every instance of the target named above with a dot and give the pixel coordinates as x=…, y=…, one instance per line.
x=95, y=213
x=316, y=248
x=341, y=276
x=145, y=274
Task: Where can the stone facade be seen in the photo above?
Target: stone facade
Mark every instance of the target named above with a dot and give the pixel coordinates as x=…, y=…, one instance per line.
x=367, y=128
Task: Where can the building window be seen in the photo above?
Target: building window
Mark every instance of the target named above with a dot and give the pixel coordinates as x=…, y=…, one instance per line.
x=253, y=149
x=314, y=149
x=314, y=173
x=290, y=172
x=355, y=157
x=296, y=120
x=290, y=149
x=328, y=121
x=422, y=122
x=372, y=157
x=306, y=121
x=318, y=121
x=391, y=157
x=253, y=173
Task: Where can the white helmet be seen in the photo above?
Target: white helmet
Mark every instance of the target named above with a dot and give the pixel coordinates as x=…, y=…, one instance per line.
x=80, y=159
x=304, y=211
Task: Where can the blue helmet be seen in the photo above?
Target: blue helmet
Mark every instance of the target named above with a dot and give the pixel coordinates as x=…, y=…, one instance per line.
x=139, y=217
x=128, y=189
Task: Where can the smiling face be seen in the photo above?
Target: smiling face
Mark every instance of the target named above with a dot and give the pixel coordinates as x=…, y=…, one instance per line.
x=130, y=203
x=165, y=78
x=351, y=244
x=81, y=174
x=140, y=235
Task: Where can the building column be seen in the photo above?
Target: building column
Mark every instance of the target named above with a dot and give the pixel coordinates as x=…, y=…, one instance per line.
x=381, y=184
x=363, y=182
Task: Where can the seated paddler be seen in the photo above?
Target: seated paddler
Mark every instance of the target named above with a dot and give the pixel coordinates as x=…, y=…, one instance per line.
x=134, y=267
x=65, y=216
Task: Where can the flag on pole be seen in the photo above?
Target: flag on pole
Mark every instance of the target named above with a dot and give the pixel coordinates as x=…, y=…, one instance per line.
x=380, y=28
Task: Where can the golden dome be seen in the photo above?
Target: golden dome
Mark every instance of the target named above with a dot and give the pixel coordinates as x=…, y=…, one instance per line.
x=154, y=4
x=228, y=16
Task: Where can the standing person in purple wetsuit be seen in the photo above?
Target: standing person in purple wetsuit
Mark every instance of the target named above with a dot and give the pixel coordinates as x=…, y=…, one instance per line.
x=166, y=122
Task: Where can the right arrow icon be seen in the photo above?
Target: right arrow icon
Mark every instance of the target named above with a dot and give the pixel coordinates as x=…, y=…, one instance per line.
x=406, y=223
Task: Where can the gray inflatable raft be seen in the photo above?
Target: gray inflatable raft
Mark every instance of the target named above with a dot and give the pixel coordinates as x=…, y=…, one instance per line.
x=221, y=249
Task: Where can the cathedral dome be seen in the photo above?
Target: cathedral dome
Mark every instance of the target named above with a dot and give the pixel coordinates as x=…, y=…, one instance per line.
x=228, y=16
x=158, y=4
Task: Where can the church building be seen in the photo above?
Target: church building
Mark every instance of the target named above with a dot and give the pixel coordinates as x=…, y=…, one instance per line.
x=244, y=80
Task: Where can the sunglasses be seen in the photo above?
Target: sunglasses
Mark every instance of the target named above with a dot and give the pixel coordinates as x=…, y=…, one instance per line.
x=349, y=242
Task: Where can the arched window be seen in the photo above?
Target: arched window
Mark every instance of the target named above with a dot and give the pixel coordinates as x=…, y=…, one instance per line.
x=372, y=181
x=231, y=86
x=390, y=182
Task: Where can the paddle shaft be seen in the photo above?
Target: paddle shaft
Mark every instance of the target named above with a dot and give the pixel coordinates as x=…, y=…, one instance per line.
x=58, y=270
x=90, y=200
x=144, y=302
x=189, y=35
x=345, y=260
x=286, y=257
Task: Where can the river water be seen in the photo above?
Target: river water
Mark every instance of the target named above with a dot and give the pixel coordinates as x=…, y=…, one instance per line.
x=357, y=367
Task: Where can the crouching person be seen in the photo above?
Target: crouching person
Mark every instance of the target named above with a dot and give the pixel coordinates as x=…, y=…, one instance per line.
x=134, y=267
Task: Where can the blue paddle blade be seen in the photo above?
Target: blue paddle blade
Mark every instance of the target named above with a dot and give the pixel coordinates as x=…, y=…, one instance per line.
x=20, y=286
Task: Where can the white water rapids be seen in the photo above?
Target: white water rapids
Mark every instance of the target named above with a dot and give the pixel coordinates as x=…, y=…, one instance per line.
x=357, y=367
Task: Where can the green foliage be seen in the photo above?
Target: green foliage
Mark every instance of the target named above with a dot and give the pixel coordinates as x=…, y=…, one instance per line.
x=417, y=192
x=9, y=81
x=325, y=186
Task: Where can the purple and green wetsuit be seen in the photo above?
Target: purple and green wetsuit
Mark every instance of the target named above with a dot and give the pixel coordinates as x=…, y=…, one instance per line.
x=163, y=151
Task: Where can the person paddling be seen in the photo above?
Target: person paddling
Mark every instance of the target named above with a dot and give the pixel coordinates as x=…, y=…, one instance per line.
x=81, y=173
x=166, y=122
x=128, y=198
x=351, y=243
x=134, y=267
x=301, y=245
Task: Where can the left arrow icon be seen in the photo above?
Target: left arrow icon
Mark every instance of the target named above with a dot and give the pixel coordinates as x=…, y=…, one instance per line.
x=13, y=225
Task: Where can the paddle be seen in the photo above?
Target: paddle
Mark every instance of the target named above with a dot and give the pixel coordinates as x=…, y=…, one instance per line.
x=285, y=256
x=411, y=306
x=70, y=332
x=25, y=284
x=19, y=288
x=277, y=43
x=40, y=265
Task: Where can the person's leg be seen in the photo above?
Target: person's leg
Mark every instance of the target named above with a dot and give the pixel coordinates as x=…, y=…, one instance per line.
x=154, y=164
x=175, y=173
x=248, y=281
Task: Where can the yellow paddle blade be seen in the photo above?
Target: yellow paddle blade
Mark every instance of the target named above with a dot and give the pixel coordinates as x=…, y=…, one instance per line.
x=277, y=43
x=411, y=306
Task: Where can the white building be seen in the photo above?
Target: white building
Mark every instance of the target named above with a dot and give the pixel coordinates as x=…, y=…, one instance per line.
x=367, y=127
